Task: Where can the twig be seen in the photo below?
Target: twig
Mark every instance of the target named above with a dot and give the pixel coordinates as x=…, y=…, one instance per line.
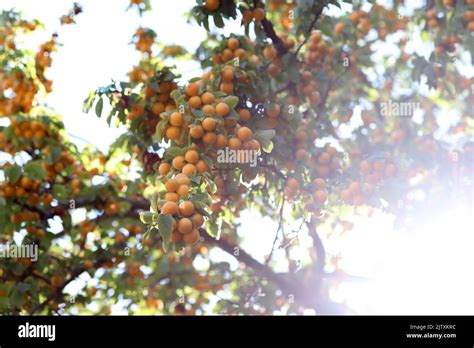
x=280, y=228
x=310, y=29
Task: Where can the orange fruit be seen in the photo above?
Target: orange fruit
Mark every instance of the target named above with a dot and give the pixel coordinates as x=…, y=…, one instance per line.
x=470, y=26
x=339, y=28
x=319, y=182
x=209, y=124
x=186, y=208
x=170, y=208
x=164, y=168
x=171, y=185
x=182, y=190
x=269, y=52
x=195, y=102
x=197, y=219
x=221, y=141
x=207, y=98
x=192, y=89
x=158, y=108
x=191, y=156
x=354, y=188
x=178, y=162
x=227, y=74
x=212, y=5
x=56, y=281
x=176, y=119
x=239, y=52
x=209, y=109
x=324, y=157
x=233, y=43
x=355, y=17
x=227, y=54
x=235, y=143
x=191, y=237
x=293, y=184
x=320, y=196
x=185, y=225
x=301, y=154
x=273, y=111
x=171, y=196
x=202, y=166
x=189, y=169
x=244, y=115
x=209, y=138
x=258, y=14
x=244, y=133
x=345, y=195
x=222, y=109
x=175, y=237
x=173, y=132
x=226, y=87
x=247, y=16
x=273, y=69
x=196, y=132
x=182, y=179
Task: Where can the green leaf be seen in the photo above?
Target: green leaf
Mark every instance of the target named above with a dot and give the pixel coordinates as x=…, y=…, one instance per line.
x=35, y=170
x=233, y=115
x=218, y=21
x=16, y=298
x=232, y=101
x=212, y=184
x=88, y=102
x=55, y=153
x=4, y=303
x=23, y=287
x=160, y=129
x=147, y=217
x=98, y=107
x=201, y=197
x=206, y=23
x=266, y=133
x=13, y=173
x=175, y=151
x=59, y=191
x=165, y=227
x=5, y=288
x=267, y=146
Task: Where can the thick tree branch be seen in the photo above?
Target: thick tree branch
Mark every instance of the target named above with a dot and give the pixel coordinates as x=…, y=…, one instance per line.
x=271, y=34
x=277, y=41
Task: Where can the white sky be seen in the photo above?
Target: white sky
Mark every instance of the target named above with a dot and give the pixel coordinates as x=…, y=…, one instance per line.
x=96, y=50
x=410, y=276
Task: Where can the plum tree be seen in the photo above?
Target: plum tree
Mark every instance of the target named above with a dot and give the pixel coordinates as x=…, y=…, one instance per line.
x=338, y=128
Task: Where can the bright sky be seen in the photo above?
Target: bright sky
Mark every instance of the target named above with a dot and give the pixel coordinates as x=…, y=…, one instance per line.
x=410, y=274
x=96, y=50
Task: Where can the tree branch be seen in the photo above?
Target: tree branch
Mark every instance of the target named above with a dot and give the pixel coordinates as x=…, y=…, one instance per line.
x=280, y=279
x=58, y=293
x=310, y=29
x=271, y=34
